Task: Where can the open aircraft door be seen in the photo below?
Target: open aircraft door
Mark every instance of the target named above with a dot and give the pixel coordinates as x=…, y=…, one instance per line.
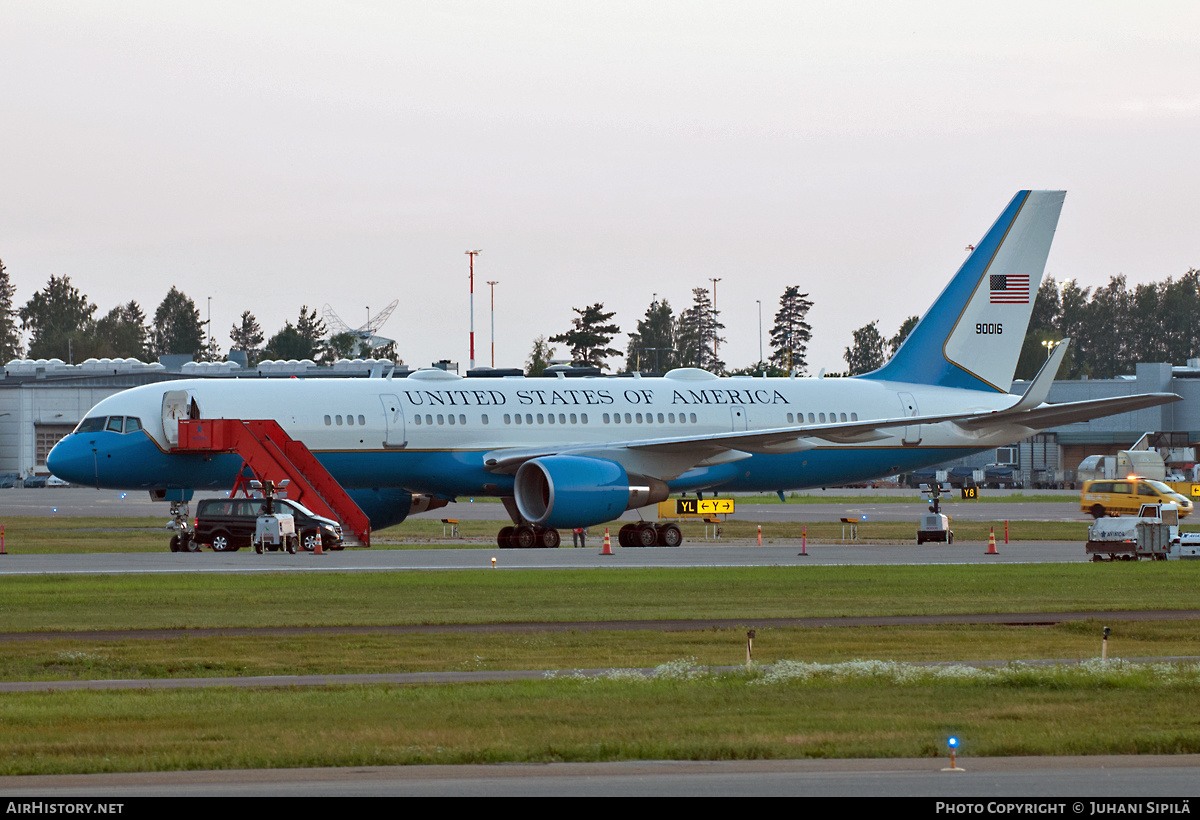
x=176, y=405
x=393, y=416
x=912, y=434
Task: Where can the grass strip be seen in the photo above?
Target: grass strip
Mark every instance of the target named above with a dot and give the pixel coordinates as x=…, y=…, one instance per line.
x=251, y=656
x=88, y=602
x=855, y=710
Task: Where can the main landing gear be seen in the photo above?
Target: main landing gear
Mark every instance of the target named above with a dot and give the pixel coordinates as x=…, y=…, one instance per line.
x=641, y=534
x=649, y=534
x=528, y=536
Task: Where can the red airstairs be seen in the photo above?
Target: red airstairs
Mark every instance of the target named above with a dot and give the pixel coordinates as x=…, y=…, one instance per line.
x=273, y=455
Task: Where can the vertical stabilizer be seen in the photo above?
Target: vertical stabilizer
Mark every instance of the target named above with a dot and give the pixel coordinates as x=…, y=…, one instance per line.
x=972, y=335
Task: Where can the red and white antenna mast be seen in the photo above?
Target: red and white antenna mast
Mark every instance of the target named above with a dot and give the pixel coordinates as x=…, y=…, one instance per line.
x=472, y=255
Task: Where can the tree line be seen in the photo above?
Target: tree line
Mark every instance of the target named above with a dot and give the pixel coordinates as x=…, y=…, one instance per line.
x=1111, y=328
x=1114, y=327
x=62, y=323
x=665, y=340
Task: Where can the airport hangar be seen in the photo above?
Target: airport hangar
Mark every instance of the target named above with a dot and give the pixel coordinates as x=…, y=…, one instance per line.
x=43, y=400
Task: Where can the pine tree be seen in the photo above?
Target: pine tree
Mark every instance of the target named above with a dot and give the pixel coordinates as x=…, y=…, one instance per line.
x=791, y=334
x=177, y=326
x=247, y=337
x=697, y=334
x=589, y=338
x=10, y=333
x=299, y=341
x=310, y=327
x=58, y=317
x=652, y=348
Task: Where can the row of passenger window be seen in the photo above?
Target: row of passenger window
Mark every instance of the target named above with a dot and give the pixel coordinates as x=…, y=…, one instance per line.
x=113, y=424
x=819, y=418
x=430, y=419
x=648, y=418
x=447, y=419
x=331, y=420
x=509, y=418
x=547, y=418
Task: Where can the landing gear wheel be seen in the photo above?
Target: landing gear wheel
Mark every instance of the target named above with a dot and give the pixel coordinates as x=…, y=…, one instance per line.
x=670, y=536
x=504, y=537
x=174, y=543
x=549, y=539
x=623, y=536
x=1097, y=511
x=524, y=537
x=190, y=544
x=644, y=535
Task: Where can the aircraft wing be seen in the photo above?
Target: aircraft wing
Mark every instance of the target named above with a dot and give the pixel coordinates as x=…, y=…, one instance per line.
x=677, y=454
x=1052, y=415
x=671, y=456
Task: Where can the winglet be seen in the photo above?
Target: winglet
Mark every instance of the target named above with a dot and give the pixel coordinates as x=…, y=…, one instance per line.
x=1039, y=388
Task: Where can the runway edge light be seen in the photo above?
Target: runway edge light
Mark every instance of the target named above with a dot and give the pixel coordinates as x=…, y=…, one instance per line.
x=952, y=742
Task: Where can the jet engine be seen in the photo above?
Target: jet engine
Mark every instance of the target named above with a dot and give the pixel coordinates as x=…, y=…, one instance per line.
x=577, y=491
x=387, y=506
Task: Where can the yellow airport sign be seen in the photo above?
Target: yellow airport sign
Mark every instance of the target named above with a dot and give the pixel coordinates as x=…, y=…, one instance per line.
x=695, y=507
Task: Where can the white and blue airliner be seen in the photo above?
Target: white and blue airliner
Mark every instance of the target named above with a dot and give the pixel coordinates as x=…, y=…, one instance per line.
x=577, y=452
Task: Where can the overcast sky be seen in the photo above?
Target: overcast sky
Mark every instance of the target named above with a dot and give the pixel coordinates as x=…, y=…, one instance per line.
x=274, y=154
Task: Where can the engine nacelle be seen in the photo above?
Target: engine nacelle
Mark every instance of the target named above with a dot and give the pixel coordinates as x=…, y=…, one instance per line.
x=387, y=506
x=576, y=491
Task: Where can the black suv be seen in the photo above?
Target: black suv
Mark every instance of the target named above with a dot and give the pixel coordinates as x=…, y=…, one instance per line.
x=228, y=524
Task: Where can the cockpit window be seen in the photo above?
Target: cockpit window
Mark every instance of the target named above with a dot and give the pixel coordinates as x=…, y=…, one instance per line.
x=114, y=424
x=92, y=425
x=132, y=424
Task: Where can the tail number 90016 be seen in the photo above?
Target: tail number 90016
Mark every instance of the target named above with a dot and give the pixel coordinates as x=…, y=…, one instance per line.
x=987, y=329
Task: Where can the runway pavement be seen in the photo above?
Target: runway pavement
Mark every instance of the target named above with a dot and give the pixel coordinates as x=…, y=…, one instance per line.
x=689, y=555
x=83, y=502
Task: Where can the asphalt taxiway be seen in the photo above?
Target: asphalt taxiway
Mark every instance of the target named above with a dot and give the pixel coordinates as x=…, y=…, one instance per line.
x=689, y=555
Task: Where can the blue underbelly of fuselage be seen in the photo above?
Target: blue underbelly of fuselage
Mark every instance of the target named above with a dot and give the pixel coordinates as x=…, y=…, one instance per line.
x=134, y=462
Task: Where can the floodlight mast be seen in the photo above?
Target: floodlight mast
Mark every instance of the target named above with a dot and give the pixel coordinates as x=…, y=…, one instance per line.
x=492, y=284
x=472, y=255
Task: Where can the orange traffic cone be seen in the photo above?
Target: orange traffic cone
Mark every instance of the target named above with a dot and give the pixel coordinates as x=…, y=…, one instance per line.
x=991, y=550
x=607, y=545
x=2, y=550
x=317, y=549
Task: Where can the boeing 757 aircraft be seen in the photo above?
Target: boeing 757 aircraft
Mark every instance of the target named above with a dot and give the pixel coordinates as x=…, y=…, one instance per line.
x=579, y=452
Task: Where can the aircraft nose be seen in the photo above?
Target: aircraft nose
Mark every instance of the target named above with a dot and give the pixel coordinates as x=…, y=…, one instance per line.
x=73, y=459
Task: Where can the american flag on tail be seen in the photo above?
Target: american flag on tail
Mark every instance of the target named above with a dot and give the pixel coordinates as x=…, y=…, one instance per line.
x=1009, y=289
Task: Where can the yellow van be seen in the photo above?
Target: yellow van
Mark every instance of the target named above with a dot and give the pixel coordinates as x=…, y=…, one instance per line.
x=1125, y=496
